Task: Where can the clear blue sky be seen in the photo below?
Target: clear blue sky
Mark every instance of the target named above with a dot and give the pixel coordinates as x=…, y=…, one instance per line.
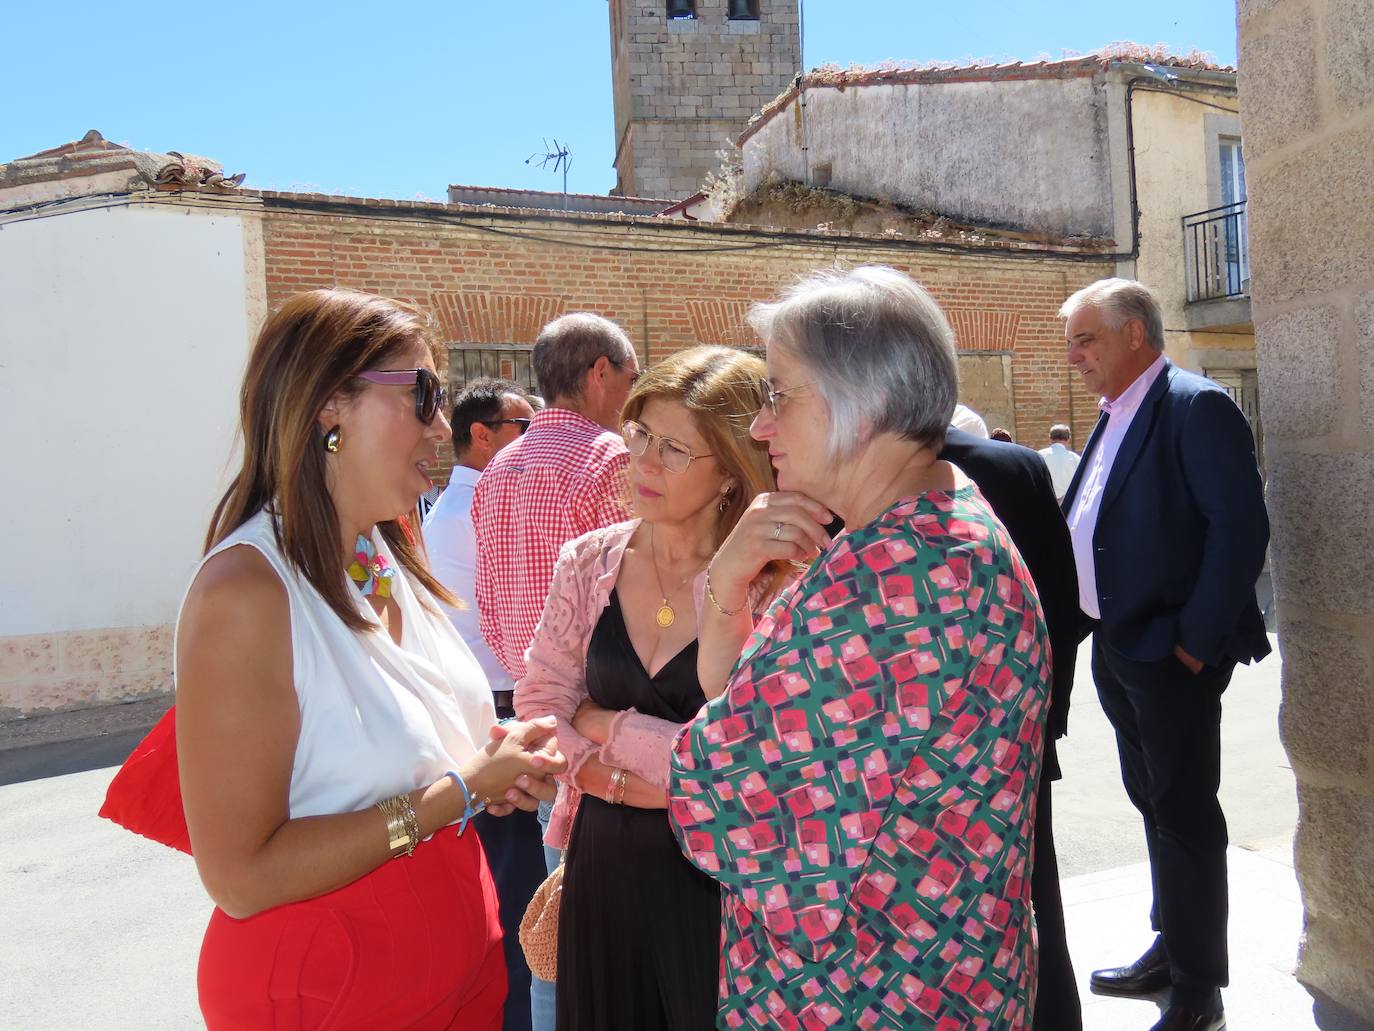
x=399, y=100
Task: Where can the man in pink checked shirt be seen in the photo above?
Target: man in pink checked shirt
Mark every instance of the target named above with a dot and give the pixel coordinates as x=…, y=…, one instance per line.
x=1166, y=513
x=562, y=478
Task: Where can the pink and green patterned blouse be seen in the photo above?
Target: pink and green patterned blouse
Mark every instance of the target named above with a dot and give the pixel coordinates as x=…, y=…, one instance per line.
x=864, y=789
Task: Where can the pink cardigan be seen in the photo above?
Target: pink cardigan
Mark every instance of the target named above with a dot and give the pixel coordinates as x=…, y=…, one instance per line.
x=555, y=680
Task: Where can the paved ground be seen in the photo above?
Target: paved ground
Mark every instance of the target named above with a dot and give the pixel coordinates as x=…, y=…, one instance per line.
x=1095, y=826
x=101, y=928
x=1103, y=911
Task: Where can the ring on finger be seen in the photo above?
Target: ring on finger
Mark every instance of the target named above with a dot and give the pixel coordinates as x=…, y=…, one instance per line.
x=777, y=531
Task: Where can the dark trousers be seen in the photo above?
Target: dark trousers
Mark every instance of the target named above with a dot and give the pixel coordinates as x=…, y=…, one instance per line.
x=1057, y=1007
x=1168, y=733
x=515, y=854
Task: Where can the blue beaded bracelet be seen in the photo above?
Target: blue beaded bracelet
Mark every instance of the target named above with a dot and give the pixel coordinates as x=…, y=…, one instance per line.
x=469, y=810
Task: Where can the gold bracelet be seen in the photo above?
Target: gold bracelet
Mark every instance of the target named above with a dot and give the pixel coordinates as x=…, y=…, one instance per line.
x=396, y=836
x=719, y=607
x=412, y=821
x=402, y=827
x=399, y=835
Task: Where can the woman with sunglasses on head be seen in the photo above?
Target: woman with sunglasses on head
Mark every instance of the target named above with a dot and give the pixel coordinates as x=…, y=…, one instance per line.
x=615, y=659
x=863, y=784
x=335, y=736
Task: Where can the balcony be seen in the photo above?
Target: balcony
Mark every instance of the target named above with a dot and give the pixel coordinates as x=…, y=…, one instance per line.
x=1216, y=258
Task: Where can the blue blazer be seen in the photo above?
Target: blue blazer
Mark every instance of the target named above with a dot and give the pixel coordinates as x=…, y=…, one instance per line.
x=1182, y=529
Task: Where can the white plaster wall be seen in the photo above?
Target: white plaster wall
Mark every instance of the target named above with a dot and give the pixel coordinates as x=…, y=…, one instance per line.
x=1024, y=153
x=123, y=336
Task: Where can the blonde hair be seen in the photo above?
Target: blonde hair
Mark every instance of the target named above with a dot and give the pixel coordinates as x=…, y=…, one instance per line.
x=721, y=388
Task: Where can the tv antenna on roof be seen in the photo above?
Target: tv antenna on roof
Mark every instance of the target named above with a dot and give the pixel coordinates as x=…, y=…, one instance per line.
x=558, y=155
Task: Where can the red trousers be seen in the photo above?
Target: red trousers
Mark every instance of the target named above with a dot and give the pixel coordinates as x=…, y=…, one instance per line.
x=415, y=944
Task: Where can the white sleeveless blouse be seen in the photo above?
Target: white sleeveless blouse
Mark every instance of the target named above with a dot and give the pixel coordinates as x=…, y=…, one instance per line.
x=377, y=719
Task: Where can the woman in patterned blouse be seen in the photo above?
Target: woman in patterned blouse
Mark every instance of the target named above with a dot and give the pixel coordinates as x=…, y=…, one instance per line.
x=862, y=785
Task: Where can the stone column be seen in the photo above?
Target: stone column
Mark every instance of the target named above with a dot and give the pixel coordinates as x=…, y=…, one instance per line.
x=1307, y=106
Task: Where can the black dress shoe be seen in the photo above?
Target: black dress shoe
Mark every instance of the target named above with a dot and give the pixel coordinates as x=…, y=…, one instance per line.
x=1147, y=975
x=1181, y=1017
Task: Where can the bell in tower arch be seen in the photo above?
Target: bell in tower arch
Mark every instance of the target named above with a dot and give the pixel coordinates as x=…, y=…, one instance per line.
x=744, y=9
x=682, y=8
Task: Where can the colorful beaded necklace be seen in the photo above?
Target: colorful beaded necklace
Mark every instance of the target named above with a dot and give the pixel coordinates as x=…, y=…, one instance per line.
x=370, y=571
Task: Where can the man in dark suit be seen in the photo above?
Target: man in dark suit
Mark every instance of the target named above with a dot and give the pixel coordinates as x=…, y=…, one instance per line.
x=1169, y=532
x=1016, y=483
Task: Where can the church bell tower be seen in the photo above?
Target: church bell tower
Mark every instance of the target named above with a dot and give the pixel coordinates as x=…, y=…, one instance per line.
x=687, y=76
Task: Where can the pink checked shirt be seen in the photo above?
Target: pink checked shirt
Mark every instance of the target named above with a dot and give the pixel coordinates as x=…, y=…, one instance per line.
x=564, y=477
x=1087, y=505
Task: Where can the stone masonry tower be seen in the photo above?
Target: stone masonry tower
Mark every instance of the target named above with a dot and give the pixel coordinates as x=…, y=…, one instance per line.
x=687, y=75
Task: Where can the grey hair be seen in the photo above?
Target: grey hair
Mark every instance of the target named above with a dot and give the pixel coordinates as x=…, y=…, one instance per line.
x=568, y=347
x=878, y=348
x=1119, y=301
x=1059, y=431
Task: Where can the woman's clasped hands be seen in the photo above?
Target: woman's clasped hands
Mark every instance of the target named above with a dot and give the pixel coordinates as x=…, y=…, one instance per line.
x=517, y=766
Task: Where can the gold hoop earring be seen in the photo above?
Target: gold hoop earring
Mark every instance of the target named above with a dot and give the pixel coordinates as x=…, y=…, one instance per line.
x=333, y=440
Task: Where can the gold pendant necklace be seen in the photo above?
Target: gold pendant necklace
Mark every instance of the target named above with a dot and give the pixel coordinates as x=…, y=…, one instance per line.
x=666, y=614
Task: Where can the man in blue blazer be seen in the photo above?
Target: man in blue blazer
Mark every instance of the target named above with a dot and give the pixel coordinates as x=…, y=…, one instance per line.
x=1166, y=513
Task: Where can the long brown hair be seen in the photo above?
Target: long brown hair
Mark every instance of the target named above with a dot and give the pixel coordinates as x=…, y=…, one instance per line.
x=719, y=386
x=311, y=350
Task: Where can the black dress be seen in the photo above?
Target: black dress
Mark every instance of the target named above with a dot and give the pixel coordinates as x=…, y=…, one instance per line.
x=639, y=931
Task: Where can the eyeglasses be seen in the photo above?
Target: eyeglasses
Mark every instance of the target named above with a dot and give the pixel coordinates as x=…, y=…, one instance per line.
x=634, y=376
x=771, y=396
x=524, y=424
x=674, y=455
x=429, y=392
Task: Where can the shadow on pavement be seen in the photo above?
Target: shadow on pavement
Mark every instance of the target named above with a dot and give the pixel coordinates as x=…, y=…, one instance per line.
x=58, y=758
x=1332, y=1016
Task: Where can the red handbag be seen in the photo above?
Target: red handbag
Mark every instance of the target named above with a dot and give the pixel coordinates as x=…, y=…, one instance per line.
x=145, y=795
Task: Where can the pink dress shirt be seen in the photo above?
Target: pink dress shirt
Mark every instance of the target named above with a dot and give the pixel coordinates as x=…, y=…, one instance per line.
x=1086, y=505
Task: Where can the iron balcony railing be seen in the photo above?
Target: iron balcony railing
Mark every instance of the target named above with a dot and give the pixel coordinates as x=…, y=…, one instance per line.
x=1216, y=253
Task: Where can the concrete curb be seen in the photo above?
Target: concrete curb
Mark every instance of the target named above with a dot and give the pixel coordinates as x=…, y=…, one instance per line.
x=81, y=724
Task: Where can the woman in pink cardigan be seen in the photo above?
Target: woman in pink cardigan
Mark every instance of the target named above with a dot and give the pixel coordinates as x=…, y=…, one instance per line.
x=615, y=660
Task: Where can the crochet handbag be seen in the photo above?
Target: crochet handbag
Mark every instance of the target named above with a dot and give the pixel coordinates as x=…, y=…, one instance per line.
x=539, y=925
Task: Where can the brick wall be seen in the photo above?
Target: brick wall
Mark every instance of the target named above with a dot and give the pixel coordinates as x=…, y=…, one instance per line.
x=496, y=279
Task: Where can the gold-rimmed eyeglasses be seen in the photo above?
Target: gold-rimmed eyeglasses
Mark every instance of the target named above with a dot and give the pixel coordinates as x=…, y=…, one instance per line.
x=674, y=455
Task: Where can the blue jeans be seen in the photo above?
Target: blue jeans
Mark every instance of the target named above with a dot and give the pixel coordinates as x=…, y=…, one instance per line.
x=515, y=856
x=543, y=1014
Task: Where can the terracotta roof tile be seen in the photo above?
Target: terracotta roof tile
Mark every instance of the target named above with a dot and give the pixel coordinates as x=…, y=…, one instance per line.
x=94, y=156
x=91, y=143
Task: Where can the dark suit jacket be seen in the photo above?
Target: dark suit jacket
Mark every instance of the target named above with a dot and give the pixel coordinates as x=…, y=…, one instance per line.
x=1181, y=528
x=1016, y=483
